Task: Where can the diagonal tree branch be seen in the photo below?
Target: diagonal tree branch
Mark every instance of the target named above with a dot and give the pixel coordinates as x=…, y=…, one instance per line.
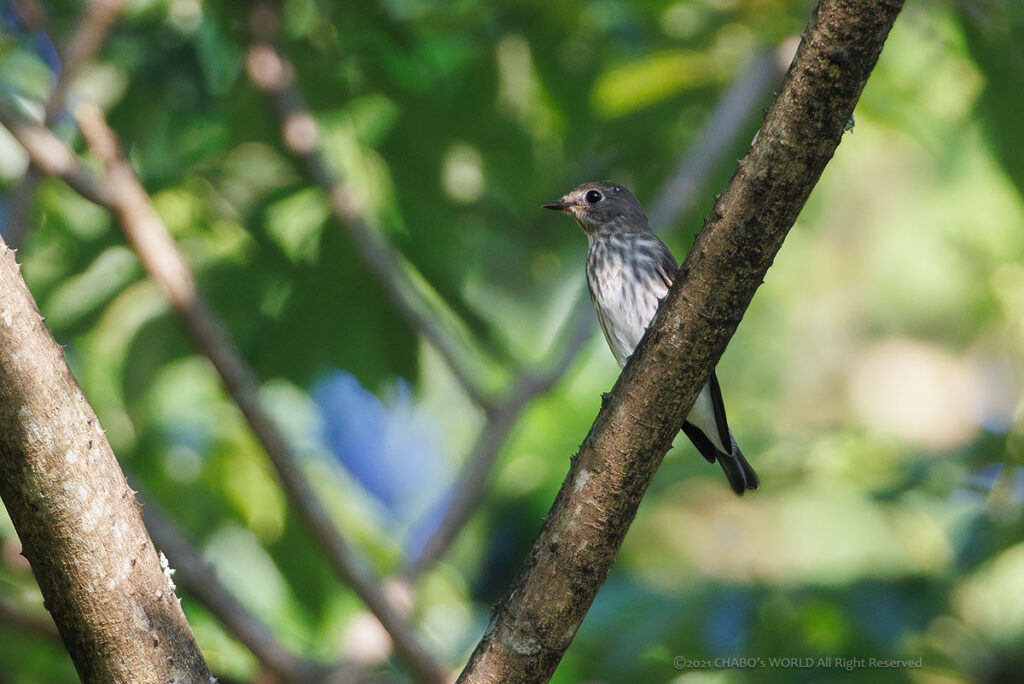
x=161, y=258
x=78, y=521
x=31, y=13
x=570, y=559
x=50, y=154
x=273, y=74
x=123, y=195
x=469, y=487
x=676, y=198
x=89, y=35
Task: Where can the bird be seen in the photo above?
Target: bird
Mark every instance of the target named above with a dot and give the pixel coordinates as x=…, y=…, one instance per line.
x=629, y=270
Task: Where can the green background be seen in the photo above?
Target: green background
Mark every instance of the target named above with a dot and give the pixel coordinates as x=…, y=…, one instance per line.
x=874, y=382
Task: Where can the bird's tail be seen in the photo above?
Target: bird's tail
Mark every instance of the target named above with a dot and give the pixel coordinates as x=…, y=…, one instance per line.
x=737, y=470
x=735, y=466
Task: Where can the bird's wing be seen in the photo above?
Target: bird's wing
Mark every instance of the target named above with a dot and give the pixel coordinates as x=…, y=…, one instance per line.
x=666, y=266
x=607, y=330
x=667, y=269
x=719, y=409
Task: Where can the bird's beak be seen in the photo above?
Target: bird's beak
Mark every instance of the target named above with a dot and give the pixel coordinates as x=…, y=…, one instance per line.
x=558, y=205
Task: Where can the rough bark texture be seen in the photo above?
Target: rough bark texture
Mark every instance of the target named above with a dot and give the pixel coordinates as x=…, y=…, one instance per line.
x=79, y=523
x=531, y=629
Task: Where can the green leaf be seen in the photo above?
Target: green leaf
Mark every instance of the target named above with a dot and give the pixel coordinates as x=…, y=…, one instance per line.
x=295, y=223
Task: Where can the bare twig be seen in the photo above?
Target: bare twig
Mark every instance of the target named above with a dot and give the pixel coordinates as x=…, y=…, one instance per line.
x=201, y=581
x=92, y=30
x=122, y=194
x=32, y=13
x=269, y=70
x=272, y=73
x=50, y=154
x=570, y=559
x=724, y=125
x=472, y=482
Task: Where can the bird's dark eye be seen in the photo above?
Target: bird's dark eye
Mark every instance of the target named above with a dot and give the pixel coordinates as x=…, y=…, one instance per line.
x=593, y=197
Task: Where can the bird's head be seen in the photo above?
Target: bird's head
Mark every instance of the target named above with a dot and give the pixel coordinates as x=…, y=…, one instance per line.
x=602, y=206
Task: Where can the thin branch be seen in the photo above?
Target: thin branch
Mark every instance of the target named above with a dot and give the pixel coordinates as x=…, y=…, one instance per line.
x=50, y=154
x=273, y=74
x=201, y=581
x=570, y=559
x=161, y=258
x=469, y=487
x=123, y=195
x=724, y=126
x=92, y=30
x=31, y=13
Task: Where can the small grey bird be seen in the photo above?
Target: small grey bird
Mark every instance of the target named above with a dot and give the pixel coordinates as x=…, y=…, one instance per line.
x=629, y=270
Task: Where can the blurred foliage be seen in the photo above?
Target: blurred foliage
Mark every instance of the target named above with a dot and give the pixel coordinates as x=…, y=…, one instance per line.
x=875, y=381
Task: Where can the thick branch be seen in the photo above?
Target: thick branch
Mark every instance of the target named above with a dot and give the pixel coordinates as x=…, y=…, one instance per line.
x=78, y=520
x=531, y=629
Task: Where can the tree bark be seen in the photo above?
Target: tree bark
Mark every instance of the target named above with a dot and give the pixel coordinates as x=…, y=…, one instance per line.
x=79, y=523
x=570, y=559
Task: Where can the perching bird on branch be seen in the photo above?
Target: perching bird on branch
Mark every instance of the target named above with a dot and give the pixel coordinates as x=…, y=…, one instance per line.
x=629, y=270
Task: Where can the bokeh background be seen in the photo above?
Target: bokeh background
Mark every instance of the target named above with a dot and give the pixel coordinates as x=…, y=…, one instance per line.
x=875, y=381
